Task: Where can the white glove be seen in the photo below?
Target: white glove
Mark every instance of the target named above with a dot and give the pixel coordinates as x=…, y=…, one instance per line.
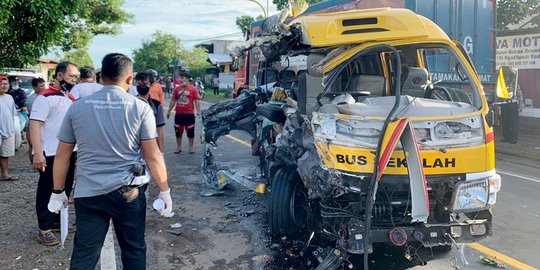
x=166, y=197
x=57, y=201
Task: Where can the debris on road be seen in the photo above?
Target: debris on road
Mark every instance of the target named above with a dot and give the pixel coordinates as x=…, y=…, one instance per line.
x=176, y=225
x=247, y=213
x=492, y=261
x=210, y=193
x=175, y=232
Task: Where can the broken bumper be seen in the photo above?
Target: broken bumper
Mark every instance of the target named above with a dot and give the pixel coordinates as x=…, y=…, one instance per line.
x=432, y=235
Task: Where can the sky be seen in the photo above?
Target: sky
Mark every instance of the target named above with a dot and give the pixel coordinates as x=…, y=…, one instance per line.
x=193, y=21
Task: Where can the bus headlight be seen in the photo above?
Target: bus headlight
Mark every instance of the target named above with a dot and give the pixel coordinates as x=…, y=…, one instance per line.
x=476, y=195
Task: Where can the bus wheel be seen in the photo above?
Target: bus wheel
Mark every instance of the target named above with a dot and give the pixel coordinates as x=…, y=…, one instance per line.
x=288, y=207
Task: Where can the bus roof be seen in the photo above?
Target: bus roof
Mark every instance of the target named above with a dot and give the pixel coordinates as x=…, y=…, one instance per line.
x=358, y=26
x=313, y=8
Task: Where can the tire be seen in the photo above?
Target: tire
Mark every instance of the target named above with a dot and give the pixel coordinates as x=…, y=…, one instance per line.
x=288, y=206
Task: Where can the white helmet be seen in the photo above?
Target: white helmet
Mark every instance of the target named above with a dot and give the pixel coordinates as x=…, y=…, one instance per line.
x=153, y=72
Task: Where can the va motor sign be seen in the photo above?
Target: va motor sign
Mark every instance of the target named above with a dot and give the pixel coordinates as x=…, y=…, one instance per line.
x=520, y=51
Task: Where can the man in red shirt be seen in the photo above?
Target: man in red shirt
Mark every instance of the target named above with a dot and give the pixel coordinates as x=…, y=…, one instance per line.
x=185, y=100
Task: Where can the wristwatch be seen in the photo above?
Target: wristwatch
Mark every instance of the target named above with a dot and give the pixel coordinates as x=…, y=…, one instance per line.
x=57, y=191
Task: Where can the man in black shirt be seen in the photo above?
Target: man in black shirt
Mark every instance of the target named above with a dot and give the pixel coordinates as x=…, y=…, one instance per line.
x=143, y=88
x=18, y=94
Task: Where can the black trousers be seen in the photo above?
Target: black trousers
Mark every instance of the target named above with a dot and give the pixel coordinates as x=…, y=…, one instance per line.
x=510, y=121
x=93, y=216
x=46, y=219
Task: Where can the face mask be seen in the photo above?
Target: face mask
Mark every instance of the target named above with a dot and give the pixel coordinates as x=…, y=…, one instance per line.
x=184, y=84
x=143, y=90
x=15, y=87
x=66, y=86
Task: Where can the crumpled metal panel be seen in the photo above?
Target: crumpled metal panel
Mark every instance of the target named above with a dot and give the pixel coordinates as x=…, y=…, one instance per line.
x=222, y=117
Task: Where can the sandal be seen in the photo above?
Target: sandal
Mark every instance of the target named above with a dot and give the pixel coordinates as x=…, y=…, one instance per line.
x=191, y=150
x=178, y=151
x=10, y=178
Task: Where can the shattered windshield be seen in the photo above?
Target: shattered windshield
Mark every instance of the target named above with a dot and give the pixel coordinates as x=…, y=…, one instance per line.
x=428, y=71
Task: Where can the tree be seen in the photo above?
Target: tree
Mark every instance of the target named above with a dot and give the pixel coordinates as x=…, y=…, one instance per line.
x=157, y=53
x=164, y=48
x=281, y=4
x=244, y=23
x=79, y=57
x=513, y=11
x=195, y=60
x=92, y=18
x=28, y=29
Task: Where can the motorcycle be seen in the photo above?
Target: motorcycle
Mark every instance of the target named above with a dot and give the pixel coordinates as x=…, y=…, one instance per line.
x=200, y=89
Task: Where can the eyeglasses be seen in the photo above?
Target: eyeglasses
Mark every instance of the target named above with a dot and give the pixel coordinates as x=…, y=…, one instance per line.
x=4, y=83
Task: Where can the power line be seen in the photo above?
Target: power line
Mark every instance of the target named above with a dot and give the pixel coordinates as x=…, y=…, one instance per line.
x=213, y=37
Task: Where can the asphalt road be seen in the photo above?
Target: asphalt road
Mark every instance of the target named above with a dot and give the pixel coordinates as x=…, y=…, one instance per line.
x=517, y=213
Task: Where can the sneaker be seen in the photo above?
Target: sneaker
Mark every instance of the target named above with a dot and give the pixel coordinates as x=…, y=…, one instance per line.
x=47, y=238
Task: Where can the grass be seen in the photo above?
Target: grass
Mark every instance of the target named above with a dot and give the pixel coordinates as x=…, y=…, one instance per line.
x=210, y=97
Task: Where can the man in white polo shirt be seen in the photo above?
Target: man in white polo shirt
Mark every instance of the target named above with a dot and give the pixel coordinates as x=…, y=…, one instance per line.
x=46, y=117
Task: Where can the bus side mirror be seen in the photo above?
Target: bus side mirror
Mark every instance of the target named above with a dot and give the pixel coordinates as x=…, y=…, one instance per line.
x=490, y=117
x=506, y=82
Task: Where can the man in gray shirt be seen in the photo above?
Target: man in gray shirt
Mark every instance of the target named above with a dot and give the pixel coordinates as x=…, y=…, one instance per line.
x=113, y=131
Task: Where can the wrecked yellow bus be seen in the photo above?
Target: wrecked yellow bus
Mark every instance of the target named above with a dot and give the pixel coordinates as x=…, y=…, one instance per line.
x=368, y=148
